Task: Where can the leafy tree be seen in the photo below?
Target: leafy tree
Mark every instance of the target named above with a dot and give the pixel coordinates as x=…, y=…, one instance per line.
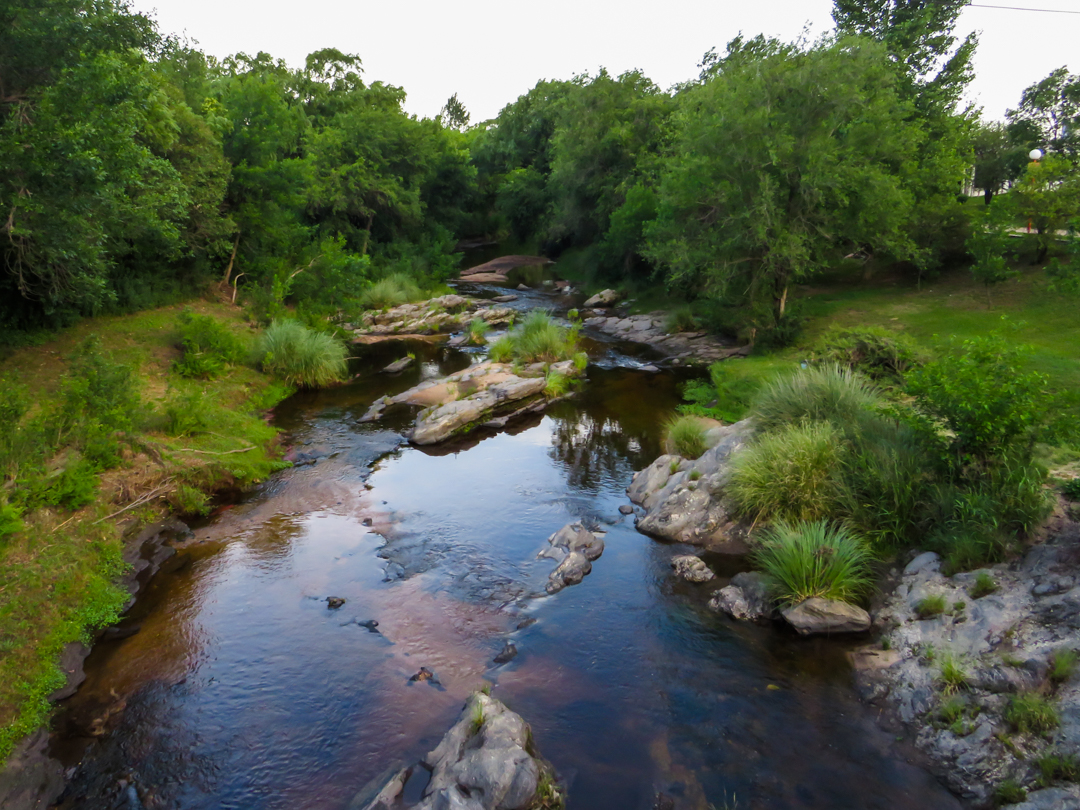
x=1047, y=197
x=781, y=161
x=454, y=114
x=999, y=158
x=1049, y=113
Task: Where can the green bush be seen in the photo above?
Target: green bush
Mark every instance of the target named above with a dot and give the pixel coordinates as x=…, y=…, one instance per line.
x=978, y=404
x=208, y=346
x=301, y=356
x=789, y=474
x=477, y=330
x=685, y=436
x=187, y=414
x=827, y=393
x=72, y=488
x=1071, y=489
x=394, y=290
x=556, y=385
x=1057, y=766
x=879, y=353
x=1031, y=713
x=930, y=606
x=98, y=392
x=802, y=560
x=10, y=519
x=1009, y=791
x=681, y=319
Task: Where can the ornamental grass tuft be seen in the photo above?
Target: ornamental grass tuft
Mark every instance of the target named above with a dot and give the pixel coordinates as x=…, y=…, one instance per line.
x=301, y=356
x=827, y=393
x=685, y=436
x=803, y=560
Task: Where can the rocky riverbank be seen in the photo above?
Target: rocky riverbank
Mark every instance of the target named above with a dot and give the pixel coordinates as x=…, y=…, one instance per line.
x=441, y=315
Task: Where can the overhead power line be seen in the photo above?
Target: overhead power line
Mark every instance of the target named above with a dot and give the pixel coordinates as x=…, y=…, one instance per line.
x=1021, y=8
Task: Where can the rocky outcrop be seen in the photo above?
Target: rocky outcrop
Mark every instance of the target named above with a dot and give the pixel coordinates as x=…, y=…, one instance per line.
x=576, y=548
x=604, y=298
x=816, y=616
x=692, y=568
x=447, y=313
x=683, y=499
x=486, y=761
x=677, y=347
x=998, y=643
x=745, y=597
x=485, y=394
x=496, y=270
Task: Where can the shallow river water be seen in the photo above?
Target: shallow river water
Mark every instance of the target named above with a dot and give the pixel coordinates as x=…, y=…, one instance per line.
x=243, y=690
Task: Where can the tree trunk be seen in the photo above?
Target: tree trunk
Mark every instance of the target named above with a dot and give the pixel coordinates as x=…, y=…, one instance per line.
x=232, y=258
x=367, y=234
x=988, y=195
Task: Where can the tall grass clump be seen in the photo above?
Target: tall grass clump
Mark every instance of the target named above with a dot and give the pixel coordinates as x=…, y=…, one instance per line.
x=502, y=350
x=477, y=330
x=685, y=436
x=208, y=346
x=789, y=474
x=828, y=393
x=802, y=560
x=1031, y=713
x=537, y=338
x=301, y=356
x=392, y=291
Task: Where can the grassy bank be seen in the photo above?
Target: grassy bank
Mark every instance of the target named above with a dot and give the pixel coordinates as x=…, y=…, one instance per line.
x=181, y=439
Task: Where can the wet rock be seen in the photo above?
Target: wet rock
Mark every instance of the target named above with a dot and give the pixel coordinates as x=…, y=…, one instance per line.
x=523, y=288
x=486, y=761
x=684, y=500
x=1054, y=798
x=424, y=674
x=370, y=624
x=334, y=602
x=507, y=654
x=30, y=778
x=393, y=571
x=575, y=537
x=626, y=509
x=399, y=365
x=817, y=615
x=745, y=597
x=528, y=621
x=366, y=522
x=437, y=424
x=570, y=571
x=692, y=568
x=504, y=299
x=604, y=298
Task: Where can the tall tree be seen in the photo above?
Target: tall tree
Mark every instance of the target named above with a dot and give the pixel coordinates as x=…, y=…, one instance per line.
x=999, y=159
x=780, y=162
x=454, y=114
x=1049, y=111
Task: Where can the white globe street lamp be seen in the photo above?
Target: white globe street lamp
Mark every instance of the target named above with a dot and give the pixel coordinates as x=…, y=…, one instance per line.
x=1035, y=154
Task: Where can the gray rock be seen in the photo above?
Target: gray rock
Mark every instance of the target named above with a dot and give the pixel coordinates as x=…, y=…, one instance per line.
x=570, y=571
x=482, y=763
x=437, y=424
x=817, y=615
x=626, y=509
x=927, y=561
x=504, y=299
x=746, y=597
x=692, y=568
x=604, y=298
x=523, y=288
x=398, y=365
x=1055, y=798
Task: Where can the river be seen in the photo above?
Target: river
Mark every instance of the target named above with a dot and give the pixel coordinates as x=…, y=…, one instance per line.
x=242, y=689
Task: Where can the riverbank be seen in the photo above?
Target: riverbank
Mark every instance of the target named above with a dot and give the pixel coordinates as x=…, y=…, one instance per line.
x=61, y=577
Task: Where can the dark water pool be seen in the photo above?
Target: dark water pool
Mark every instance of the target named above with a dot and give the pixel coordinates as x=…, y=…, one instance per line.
x=243, y=690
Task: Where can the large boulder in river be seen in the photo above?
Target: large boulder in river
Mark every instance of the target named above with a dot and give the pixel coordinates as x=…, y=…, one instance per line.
x=486, y=761
x=817, y=615
x=692, y=568
x=747, y=596
x=576, y=548
x=604, y=298
x=684, y=499
x=441, y=422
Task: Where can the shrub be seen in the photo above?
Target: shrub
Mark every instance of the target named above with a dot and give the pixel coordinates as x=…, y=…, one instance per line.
x=930, y=606
x=10, y=519
x=581, y=361
x=1057, y=766
x=821, y=394
x=1009, y=791
x=208, y=346
x=1031, y=713
x=791, y=474
x=685, y=436
x=187, y=414
x=979, y=404
x=98, y=393
x=502, y=350
x=984, y=585
x=680, y=319
x=803, y=560
x=556, y=385
x=394, y=290
x=477, y=330
x=879, y=353
x=72, y=488
x=1071, y=489
x=953, y=675
x=1062, y=665
x=301, y=356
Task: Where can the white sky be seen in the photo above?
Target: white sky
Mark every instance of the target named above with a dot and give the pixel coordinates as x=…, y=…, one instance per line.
x=491, y=51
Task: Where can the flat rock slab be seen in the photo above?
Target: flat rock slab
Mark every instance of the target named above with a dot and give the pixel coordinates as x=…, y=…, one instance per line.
x=503, y=265
x=398, y=365
x=816, y=615
x=650, y=329
x=486, y=761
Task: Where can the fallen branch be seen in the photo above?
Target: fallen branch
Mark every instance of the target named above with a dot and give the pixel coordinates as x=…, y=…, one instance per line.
x=144, y=499
x=212, y=452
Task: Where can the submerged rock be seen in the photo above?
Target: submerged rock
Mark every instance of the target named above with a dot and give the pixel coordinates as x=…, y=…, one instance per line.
x=684, y=500
x=507, y=654
x=486, y=761
x=398, y=365
x=424, y=674
x=692, y=568
x=576, y=547
x=334, y=602
x=817, y=615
